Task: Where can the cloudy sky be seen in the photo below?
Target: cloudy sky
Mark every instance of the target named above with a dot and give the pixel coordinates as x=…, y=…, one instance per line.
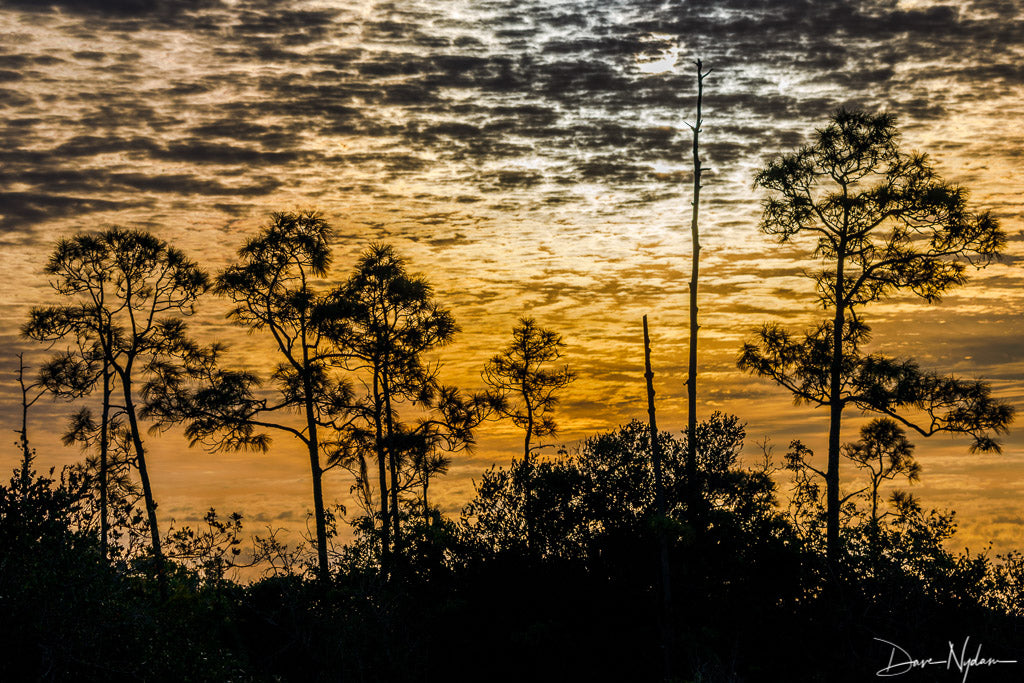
x=529, y=157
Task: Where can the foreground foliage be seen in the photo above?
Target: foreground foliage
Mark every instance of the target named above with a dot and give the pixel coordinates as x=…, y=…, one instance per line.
x=473, y=601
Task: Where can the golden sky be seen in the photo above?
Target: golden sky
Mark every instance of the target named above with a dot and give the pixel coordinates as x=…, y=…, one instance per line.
x=529, y=157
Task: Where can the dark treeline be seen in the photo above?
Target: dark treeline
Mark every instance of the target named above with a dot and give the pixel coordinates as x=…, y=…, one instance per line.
x=559, y=566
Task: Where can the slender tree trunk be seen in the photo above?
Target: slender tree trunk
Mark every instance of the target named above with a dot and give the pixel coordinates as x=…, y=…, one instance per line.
x=835, y=416
x=659, y=502
x=529, y=425
x=396, y=529
x=385, y=520
x=874, y=522
x=26, y=450
x=147, y=490
x=876, y=482
x=426, y=505
x=320, y=518
x=693, y=495
x=528, y=474
x=104, y=448
x=874, y=511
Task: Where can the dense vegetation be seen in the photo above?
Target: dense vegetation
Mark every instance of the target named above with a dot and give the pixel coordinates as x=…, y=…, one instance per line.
x=471, y=601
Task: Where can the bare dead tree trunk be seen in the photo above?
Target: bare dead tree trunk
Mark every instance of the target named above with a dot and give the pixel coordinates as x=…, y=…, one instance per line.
x=659, y=502
x=693, y=495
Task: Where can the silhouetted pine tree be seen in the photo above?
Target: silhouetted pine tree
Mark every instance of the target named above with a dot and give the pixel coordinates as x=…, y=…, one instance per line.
x=274, y=289
x=127, y=292
x=381, y=322
x=881, y=222
x=525, y=389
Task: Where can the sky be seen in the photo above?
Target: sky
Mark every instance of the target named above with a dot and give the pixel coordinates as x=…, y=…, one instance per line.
x=529, y=158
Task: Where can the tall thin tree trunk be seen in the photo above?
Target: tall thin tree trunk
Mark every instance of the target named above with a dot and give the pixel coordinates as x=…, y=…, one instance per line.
x=693, y=496
x=104, y=455
x=426, y=505
x=26, y=450
x=323, y=570
x=320, y=517
x=147, y=490
x=875, y=554
x=529, y=424
x=835, y=416
x=396, y=530
x=659, y=502
x=528, y=474
x=385, y=520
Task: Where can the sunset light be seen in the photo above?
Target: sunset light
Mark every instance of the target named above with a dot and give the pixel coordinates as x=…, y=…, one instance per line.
x=519, y=178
